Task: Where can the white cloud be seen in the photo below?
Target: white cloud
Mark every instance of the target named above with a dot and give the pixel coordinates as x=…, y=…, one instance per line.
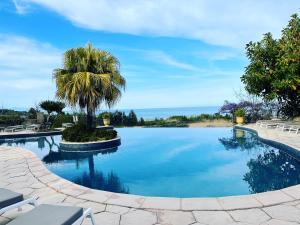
x=166, y=59
x=23, y=54
x=20, y=8
x=228, y=23
x=26, y=70
x=160, y=57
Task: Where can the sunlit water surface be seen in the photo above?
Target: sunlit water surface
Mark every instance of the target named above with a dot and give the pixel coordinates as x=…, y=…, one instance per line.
x=173, y=162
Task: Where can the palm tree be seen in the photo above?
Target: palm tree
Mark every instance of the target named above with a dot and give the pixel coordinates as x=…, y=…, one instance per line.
x=89, y=77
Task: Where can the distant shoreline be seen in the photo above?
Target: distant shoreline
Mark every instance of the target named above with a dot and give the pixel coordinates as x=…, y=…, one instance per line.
x=211, y=123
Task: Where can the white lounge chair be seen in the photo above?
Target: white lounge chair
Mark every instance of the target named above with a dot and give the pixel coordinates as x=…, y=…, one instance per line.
x=66, y=125
x=12, y=200
x=272, y=124
x=14, y=128
x=54, y=215
x=295, y=128
x=42, y=214
x=33, y=127
x=284, y=126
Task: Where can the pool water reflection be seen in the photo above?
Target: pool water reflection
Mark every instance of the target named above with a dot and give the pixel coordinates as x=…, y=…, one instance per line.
x=173, y=162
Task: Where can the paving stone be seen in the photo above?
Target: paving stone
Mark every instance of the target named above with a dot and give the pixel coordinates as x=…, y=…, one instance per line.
x=161, y=203
x=73, y=191
x=125, y=200
x=12, y=214
x=273, y=198
x=37, y=185
x=200, y=204
x=194, y=224
x=213, y=217
x=60, y=184
x=96, y=207
x=94, y=196
x=104, y=218
x=239, y=202
x=175, y=218
x=39, y=193
x=240, y=223
x=284, y=212
x=279, y=222
x=73, y=201
x=117, y=209
x=138, y=217
x=292, y=203
x=48, y=178
x=52, y=198
x=3, y=220
x=256, y=216
x=293, y=191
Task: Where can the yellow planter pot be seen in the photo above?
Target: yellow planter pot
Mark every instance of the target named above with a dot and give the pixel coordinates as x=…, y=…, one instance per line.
x=106, y=122
x=240, y=120
x=239, y=133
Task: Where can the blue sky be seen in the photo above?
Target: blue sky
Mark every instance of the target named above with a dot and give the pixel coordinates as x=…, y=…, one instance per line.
x=172, y=52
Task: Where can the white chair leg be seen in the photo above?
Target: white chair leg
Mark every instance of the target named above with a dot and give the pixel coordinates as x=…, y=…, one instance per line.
x=89, y=213
x=92, y=218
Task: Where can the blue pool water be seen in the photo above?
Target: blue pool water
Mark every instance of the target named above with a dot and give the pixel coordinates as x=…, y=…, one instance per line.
x=150, y=114
x=174, y=162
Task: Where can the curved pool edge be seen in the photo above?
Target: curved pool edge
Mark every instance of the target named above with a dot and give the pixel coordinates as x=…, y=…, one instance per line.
x=289, y=147
x=44, y=177
x=28, y=135
x=89, y=146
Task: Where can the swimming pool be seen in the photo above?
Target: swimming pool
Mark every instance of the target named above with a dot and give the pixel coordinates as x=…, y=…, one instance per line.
x=173, y=162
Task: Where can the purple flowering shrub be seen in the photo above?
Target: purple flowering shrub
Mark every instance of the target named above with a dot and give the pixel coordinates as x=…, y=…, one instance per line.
x=254, y=111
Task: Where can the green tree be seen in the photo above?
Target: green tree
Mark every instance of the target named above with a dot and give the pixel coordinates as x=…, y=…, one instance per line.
x=132, y=118
x=32, y=113
x=89, y=77
x=52, y=106
x=142, y=122
x=274, y=69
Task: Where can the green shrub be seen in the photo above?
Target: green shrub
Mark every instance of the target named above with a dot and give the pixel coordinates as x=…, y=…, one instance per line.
x=79, y=133
x=164, y=123
x=240, y=112
x=60, y=119
x=11, y=120
x=105, y=115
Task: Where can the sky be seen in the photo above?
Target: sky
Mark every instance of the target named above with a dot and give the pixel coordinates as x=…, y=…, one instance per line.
x=173, y=53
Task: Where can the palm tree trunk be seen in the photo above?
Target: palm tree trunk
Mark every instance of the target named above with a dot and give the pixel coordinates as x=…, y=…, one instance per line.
x=91, y=166
x=89, y=118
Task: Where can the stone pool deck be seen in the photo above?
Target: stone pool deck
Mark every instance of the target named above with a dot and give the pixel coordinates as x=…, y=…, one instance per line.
x=22, y=171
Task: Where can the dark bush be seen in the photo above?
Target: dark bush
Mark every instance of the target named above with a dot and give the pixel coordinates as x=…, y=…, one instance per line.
x=59, y=119
x=80, y=133
x=11, y=120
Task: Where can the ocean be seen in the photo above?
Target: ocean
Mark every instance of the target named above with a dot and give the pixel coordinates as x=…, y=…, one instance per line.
x=153, y=113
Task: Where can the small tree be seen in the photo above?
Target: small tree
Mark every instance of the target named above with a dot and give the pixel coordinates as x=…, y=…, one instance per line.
x=32, y=113
x=142, y=122
x=89, y=77
x=52, y=106
x=274, y=69
x=132, y=118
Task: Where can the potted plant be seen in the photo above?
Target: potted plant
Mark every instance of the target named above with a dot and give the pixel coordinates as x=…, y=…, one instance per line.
x=106, y=119
x=239, y=114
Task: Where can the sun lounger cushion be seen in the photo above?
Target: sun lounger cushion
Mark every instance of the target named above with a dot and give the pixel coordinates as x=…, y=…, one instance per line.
x=49, y=215
x=8, y=198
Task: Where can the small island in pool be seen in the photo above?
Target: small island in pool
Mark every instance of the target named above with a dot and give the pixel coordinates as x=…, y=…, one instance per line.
x=80, y=138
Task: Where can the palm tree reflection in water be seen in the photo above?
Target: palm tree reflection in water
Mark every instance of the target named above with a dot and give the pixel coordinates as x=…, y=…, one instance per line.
x=272, y=169
x=92, y=178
